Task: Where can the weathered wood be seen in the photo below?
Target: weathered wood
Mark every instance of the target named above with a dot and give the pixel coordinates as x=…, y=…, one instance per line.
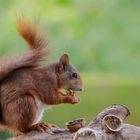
x=108, y=125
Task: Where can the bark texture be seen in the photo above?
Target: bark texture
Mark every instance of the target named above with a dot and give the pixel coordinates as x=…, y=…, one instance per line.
x=108, y=125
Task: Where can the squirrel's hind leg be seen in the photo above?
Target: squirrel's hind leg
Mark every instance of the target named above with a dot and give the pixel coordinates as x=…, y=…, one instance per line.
x=42, y=127
x=19, y=114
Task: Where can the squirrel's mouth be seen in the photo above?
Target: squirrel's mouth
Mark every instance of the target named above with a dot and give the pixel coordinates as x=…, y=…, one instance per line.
x=75, y=89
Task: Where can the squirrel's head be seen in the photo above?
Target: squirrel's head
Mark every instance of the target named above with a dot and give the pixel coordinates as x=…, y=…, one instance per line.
x=69, y=77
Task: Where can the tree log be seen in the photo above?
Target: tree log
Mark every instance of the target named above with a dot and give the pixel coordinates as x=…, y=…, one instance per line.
x=108, y=125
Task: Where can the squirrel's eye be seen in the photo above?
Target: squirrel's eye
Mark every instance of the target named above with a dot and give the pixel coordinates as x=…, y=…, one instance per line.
x=74, y=75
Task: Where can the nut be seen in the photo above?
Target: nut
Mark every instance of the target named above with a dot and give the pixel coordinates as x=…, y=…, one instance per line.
x=75, y=125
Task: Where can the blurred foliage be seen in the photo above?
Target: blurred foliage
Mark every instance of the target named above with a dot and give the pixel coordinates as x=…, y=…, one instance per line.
x=103, y=40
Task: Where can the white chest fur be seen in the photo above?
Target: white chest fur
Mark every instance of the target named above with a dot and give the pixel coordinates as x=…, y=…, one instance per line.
x=40, y=110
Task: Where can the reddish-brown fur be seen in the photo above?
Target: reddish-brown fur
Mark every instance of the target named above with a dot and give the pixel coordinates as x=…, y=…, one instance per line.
x=23, y=79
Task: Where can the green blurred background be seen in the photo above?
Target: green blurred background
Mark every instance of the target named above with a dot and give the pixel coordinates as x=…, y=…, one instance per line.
x=103, y=40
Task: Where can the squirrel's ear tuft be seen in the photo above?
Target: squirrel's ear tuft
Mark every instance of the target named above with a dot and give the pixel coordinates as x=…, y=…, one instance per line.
x=63, y=62
x=64, y=59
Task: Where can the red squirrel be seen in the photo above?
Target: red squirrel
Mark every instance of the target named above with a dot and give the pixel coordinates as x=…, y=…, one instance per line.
x=26, y=85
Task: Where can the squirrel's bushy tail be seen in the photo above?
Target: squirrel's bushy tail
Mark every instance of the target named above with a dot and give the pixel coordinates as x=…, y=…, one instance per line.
x=37, y=52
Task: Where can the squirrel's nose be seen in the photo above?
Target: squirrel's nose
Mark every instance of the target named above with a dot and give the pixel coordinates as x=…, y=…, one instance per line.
x=81, y=89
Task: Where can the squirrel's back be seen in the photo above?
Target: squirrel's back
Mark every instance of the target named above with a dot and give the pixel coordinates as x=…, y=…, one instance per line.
x=37, y=49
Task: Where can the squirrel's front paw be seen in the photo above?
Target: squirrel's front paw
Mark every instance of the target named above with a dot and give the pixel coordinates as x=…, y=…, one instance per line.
x=72, y=98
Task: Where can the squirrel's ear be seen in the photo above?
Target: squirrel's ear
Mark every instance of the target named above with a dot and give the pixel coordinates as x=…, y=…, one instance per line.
x=63, y=62
x=64, y=59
